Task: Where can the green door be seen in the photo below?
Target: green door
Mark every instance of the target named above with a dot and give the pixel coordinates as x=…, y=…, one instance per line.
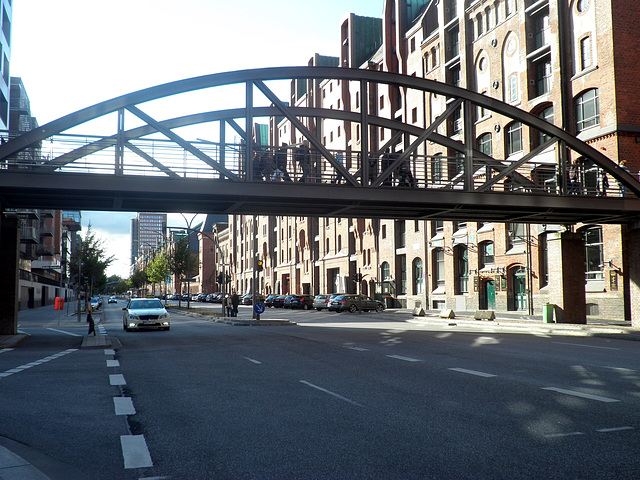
x=519, y=291
x=490, y=287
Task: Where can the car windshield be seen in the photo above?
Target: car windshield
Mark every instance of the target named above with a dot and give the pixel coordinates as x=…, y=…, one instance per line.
x=145, y=304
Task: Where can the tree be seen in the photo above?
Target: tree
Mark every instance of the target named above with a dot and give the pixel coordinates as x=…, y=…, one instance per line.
x=177, y=259
x=138, y=279
x=157, y=270
x=93, y=262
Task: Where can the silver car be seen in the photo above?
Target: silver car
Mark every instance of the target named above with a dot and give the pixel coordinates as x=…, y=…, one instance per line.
x=145, y=313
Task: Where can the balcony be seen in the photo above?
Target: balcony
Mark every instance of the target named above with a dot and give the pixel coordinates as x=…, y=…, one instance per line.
x=28, y=235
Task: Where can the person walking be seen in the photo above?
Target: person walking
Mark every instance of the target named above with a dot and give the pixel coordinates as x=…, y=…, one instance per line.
x=92, y=325
x=235, y=301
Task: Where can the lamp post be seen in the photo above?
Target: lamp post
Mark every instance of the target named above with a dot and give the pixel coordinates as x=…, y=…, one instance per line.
x=188, y=222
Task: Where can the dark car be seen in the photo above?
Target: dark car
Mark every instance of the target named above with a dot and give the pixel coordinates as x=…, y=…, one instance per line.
x=304, y=302
x=287, y=301
x=321, y=301
x=353, y=303
x=268, y=302
x=248, y=299
x=279, y=301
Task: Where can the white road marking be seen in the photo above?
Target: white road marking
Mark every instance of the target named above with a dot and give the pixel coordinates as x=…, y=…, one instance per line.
x=135, y=451
x=569, y=434
x=473, y=372
x=113, y=363
x=4, y=350
x=66, y=333
x=581, y=395
x=117, y=379
x=358, y=349
x=124, y=406
x=406, y=359
x=587, y=346
x=109, y=351
x=616, y=429
x=29, y=365
x=331, y=393
x=253, y=361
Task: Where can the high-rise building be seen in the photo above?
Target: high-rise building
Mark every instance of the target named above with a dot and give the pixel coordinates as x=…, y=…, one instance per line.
x=5, y=61
x=148, y=230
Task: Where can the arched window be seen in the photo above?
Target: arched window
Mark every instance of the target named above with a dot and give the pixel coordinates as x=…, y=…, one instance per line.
x=513, y=138
x=418, y=280
x=486, y=256
x=385, y=272
x=484, y=144
x=588, y=110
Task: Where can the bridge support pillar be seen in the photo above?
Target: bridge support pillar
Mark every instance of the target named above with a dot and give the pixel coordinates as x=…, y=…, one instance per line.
x=633, y=272
x=9, y=253
x=566, y=286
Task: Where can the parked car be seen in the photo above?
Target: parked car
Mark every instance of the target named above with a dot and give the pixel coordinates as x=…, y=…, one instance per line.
x=304, y=302
x=185, y=297
x=279, y=301
x=112, y=299
x=321, y=301
x=353, y=303
x=287, y=301
x=268, y=302
x=248, y=299
x=145, y=313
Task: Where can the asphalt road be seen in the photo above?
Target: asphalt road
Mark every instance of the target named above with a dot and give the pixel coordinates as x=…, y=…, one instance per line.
x=338, y=396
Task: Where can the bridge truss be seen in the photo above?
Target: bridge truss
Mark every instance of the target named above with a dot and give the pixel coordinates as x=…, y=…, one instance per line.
x=156, y=165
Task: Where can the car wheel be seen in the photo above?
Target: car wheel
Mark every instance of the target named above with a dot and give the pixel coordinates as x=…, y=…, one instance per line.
x=365, y=311
x=319, y=309
x=379, y=308
x=353, y=308
x=305, y=307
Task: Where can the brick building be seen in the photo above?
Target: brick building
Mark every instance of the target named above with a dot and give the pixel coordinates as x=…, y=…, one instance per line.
x=571, y=62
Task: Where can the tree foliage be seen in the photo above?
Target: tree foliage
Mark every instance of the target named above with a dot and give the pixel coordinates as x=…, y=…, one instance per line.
x=91, y=261
x=181, y=256
x=157, y=270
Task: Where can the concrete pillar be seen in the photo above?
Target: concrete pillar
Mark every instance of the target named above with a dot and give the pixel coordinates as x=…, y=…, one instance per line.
x=632, y=270
x=567, y=277
x=9, y=253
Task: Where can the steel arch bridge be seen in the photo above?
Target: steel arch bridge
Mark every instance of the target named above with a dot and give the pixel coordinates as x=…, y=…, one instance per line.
x=153, y=166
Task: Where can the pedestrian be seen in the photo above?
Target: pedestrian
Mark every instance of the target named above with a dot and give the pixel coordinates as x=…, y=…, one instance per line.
x=302, y=158
x=268, y=166
x=281, y=164
x=92, y=325
x=385, y=164
x=235, y=301
x=621, y=185
x=574, y=179
x=229, y=306
x=340, y=160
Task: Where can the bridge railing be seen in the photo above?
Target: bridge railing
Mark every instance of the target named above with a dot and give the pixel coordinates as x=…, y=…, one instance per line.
x=540, y=174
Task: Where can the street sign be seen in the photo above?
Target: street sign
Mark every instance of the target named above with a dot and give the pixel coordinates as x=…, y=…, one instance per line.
x=259, y=308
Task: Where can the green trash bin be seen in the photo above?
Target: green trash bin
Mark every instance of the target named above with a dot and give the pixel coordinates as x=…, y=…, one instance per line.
x=547, y=313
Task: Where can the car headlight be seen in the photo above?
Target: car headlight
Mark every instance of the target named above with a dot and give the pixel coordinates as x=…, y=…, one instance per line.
x=163, y=315
x=133, y=316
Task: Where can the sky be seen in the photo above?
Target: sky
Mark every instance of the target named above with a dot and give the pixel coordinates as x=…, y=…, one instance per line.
x=72, y=54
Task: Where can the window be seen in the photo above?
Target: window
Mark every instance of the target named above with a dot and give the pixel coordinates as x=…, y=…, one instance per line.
x=588, y=110
x=486, y=254
x=453, y=49
x=516, y=234
x=513, y=134
x=437, y=227
x=585, y=53
x=402, y=274
x=381, y=102
x=543, y=76
x=462, y=269
x=400, y=234
x=594, y=263
x=418, y=279
x=438, y=268
x=513, y=89
x=384, y=231
x=484, y=144
x=543, y=253
x=541, y=30
x=582, y=5
x=385, y=272
x=546, y=115
x=413, y=44
x=436, y=168
x=414, y=115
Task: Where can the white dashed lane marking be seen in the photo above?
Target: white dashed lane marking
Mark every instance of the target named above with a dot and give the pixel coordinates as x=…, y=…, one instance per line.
x=124, y=406
x=405, y=359
x=473, y=372
x=113, y=363
x=117, y=379
x=66, y=333
x=331, y=393
x=135, y=451
x=581, y=395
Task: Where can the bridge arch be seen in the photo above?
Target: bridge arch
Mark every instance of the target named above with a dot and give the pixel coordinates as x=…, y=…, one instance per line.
x=482, y=178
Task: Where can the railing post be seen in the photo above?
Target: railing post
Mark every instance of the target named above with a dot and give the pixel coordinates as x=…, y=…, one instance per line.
x=249, y=133
x=364, y=132
x=469, y=140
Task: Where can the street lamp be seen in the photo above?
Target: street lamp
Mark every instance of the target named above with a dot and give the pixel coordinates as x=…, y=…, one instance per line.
x=188, y=222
